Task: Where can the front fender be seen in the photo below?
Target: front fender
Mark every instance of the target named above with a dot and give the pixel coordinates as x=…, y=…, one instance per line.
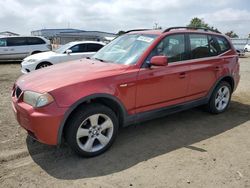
x=83, y=100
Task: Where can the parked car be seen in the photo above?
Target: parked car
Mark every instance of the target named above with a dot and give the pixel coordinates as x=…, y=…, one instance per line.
x=239, y=48
x=17, y=48
x=240, y=52
x=247, y=48
x=67, y=52
x=138, y=76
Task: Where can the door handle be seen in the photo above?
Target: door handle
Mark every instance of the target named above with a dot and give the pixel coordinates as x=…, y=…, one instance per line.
x=182, y=75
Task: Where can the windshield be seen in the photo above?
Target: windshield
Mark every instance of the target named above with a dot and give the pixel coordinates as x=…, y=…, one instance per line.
x=126, y=49
x=63, y=48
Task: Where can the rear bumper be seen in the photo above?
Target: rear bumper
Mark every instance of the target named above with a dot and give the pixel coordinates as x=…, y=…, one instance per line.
x=42, y=124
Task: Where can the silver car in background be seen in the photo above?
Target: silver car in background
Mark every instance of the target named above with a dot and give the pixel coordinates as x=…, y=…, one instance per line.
x=19, y=47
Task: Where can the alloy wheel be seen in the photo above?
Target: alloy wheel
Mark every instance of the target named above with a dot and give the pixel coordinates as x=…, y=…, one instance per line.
x=94, y=133
x=222, y=98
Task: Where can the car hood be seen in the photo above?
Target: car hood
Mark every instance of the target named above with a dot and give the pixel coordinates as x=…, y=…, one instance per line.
x=69, y=73
x=42, y=55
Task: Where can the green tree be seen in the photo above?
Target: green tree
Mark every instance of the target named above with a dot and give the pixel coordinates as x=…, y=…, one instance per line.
x=232, y=34
x=198, y=22
x=121, y=32
x=249, y=35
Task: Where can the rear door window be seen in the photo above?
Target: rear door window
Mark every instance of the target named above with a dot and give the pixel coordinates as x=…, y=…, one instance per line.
x=214, y=48
x=93, y=47
x=223, y=43
x=35, y=41
x=79, y=48
x=3, y=42
x=17, y=41
x=199, y=46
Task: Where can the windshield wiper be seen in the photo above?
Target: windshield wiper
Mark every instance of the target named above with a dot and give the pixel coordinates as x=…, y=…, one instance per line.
x=99, y=59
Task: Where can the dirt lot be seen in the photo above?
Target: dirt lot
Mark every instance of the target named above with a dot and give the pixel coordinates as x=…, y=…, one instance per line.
x=188, y=149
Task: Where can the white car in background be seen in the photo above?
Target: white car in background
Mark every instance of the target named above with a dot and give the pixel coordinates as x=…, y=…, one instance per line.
x=247, y=48
x=19, y=47
x=68, y=52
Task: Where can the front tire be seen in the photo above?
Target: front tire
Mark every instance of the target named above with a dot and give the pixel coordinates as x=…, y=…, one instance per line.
x=43, y=65
x=92, y=130
x=220, y=99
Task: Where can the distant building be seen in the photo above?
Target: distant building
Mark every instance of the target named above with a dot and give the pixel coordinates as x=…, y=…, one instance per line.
x=63, y=36
x=239, y=43
x=8, y=33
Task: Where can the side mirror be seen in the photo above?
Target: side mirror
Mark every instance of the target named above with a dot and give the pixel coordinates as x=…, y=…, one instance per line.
x=159, y=61
x=68, y=52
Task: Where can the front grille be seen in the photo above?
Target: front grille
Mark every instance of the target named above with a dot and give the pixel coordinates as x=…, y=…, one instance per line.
x=18, y=92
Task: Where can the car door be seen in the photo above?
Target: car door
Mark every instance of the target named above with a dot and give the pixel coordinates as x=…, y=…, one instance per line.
x=164, y=85
x=204, y=64
x=17, y=47
x=77, y=52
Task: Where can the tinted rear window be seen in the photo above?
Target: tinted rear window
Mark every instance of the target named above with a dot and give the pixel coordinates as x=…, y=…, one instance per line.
x=93, y=47
x=16, y=41
x=79, y=48
x=35, y=41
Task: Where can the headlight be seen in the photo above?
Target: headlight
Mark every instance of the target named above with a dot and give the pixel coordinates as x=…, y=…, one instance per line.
x=37, y=99
x=29, y=61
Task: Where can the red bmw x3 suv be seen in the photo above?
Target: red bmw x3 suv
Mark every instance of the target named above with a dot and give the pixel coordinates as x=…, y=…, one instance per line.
x=140, y=75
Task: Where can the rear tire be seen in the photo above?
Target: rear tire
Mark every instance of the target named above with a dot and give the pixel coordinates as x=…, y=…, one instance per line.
x=92, y=130
x=220, y=98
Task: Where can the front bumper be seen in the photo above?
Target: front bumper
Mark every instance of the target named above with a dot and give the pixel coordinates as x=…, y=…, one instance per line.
x=28, y=67
x=41, y=123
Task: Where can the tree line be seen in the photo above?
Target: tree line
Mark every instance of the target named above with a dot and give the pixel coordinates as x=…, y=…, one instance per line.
x=197, y=22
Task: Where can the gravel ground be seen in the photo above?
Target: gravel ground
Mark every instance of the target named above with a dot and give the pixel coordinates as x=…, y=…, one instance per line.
x=187, y=149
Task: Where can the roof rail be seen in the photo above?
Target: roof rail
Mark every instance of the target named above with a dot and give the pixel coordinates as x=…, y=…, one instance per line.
x=193, y=28
x=136, y=30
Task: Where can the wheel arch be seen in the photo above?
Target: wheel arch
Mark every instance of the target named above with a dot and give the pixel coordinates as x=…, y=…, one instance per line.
x=230, y=80
x=106, y=99
x=42, y=62
x=226, y=78
x=36, y=52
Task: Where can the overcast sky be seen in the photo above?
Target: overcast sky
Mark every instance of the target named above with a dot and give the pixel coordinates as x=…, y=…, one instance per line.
x=23, y=16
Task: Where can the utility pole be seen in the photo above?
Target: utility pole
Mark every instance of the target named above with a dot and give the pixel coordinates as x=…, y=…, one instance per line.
x=156, y=26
